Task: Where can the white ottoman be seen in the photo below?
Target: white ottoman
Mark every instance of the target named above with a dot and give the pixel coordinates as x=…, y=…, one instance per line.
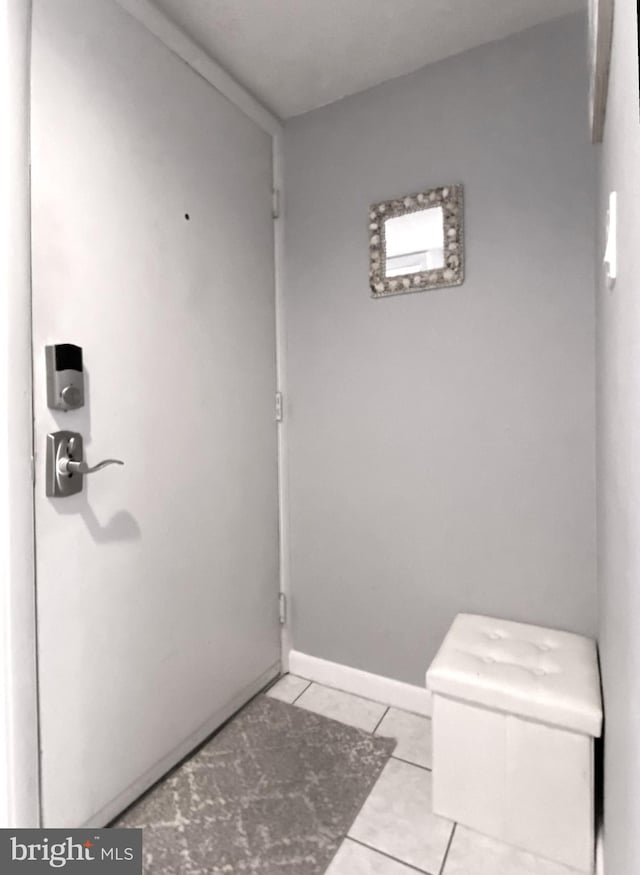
x=515, y=711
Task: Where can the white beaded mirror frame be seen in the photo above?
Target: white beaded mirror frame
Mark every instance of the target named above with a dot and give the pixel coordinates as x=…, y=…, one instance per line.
x=451, y=273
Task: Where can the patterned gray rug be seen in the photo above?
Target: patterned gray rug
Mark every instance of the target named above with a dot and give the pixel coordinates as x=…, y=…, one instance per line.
x=274, y=792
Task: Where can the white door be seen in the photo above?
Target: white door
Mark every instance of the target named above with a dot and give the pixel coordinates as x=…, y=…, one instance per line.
x=153, y=251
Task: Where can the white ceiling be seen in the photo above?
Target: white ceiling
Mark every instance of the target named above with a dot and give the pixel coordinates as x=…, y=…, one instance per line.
x=296, y=55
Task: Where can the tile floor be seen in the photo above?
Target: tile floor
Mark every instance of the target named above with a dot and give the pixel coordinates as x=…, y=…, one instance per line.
x=395, y=832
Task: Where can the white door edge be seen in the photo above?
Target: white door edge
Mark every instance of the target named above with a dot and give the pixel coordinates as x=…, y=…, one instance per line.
x=19, y=767
x=281, y=375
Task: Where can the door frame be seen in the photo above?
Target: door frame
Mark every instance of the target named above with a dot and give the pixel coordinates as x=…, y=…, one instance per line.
x=19, y=723
x=19, y=796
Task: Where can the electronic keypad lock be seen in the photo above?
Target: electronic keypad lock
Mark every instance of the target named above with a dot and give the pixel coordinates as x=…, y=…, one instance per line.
x=65, y=377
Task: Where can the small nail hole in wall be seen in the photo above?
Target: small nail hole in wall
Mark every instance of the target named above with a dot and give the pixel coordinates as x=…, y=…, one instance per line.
x=187, y=217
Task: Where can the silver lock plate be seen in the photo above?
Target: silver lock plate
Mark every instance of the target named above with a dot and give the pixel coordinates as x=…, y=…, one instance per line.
x=60, y=445
x=66, y=468
x=65, y=376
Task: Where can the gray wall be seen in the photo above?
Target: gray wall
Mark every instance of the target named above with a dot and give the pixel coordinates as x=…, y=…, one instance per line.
x=442, y=443
x=619, y=458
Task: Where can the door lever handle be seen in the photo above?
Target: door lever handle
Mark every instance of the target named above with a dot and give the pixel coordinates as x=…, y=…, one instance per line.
x=69, y=466
x=65, y=468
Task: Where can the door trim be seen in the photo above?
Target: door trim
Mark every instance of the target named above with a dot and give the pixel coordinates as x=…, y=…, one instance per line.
x=19, y=723
x=19, y=767
x=286, y=643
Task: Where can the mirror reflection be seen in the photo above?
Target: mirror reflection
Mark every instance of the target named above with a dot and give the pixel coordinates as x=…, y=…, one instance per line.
x=414, y=242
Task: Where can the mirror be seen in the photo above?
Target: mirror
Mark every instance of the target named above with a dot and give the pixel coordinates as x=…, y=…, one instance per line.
x=415, y=242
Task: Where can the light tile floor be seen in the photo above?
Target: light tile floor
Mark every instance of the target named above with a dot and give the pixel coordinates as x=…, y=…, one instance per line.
x=352, y=710
x=413, y=734
x=288, y=688
x=395, y=832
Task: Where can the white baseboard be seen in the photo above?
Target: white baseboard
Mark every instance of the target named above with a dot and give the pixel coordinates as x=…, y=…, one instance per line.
x=361, y=683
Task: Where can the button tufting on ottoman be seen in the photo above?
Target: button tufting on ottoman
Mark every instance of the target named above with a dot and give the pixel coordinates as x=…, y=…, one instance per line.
x=515, y=712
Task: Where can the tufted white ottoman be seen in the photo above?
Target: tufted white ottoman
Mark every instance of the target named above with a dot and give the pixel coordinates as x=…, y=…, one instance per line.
x=515, y=711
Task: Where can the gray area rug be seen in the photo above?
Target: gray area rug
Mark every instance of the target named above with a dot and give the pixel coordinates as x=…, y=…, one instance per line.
x=275, y=791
